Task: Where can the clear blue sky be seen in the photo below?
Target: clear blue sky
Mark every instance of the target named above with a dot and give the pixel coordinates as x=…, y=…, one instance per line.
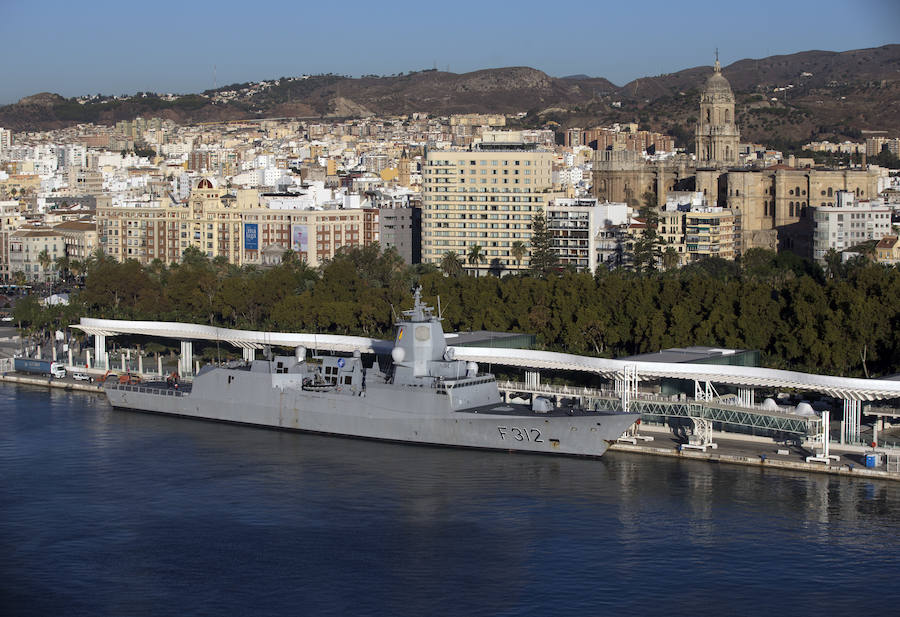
x=118, y=47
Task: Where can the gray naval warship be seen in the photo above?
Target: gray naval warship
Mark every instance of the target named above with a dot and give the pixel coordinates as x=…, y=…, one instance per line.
x=423, y=396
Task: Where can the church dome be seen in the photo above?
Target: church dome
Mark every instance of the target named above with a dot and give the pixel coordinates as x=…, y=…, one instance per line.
x=205, y=183
x=717, y=87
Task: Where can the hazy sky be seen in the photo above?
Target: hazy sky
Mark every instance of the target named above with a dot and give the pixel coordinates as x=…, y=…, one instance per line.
x=119, y=47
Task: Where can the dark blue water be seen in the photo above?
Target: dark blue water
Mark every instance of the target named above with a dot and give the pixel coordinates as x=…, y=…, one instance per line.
x=118, y=513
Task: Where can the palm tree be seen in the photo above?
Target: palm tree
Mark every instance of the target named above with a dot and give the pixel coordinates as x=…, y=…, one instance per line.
x=450, y=264
x=832, y=263
x=518, y=250
x=475, y=257
x=670, y=258
x=63, y=265
x=76, y=267
x=44, y=260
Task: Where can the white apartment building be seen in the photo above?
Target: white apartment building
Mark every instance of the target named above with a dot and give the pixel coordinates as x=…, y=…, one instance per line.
x=484, y=197
x=580, y=227
x=848, y=223
x=5, y=141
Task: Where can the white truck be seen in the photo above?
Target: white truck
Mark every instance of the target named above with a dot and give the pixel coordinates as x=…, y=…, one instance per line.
x=40, y=367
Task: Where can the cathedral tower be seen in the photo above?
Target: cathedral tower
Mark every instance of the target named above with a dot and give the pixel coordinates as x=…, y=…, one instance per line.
x=717, y=134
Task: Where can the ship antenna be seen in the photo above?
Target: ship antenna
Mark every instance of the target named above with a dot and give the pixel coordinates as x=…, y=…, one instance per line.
x=394, y=313
x=440, y=314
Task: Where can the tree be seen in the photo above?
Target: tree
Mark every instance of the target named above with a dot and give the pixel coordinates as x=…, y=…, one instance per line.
x=670, y=258
x=544, y=260
x=832, y=263
x=518, y=251
x=63, y=265
x=647, y=250
x=475, y=257
x=44, y=260
x=450, y=264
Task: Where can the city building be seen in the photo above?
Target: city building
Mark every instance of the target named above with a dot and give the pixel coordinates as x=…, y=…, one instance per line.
x=484, y=197
x=401, y=228
x=848, y=223
x=27, y=250
x=80, y=238
x=236, y=227
x=694, y=229
x=887, y=251
x=578, y=229
x=5, y=141
x=772, y=204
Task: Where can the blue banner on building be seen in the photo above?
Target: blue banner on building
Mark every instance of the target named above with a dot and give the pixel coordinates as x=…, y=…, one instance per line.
x=251, y=236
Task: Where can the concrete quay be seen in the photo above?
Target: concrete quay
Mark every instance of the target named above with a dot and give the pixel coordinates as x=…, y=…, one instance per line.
x=66, y=383
x=760, y=452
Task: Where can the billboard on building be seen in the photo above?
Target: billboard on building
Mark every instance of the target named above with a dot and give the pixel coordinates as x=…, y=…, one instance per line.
x=299, y=238
x=251, y=236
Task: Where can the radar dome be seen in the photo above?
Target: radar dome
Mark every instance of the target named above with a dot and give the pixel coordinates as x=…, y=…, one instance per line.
x=804, y=409
x=398, y=354
x=770, y=404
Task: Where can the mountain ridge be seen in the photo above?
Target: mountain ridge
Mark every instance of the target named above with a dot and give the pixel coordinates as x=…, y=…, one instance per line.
x=791, y=96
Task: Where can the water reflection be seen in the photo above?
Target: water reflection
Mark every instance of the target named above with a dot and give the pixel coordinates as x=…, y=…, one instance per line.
x=108, y=512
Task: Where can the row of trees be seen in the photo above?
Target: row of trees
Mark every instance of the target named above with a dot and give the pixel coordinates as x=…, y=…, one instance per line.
x=845, y=323
x=543, y=258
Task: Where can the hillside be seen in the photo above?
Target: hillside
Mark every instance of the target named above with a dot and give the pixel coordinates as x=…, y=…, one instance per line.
x=787, y=98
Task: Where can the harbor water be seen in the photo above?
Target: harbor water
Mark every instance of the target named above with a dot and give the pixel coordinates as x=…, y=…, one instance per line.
x=107, y=512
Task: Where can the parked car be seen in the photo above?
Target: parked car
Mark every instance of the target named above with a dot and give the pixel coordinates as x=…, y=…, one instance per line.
x=81, y=376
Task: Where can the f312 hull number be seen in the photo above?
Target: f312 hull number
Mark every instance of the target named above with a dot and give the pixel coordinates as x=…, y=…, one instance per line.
x=517, y=433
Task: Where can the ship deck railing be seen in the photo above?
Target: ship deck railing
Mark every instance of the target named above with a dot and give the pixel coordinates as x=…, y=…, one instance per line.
x=159, y=389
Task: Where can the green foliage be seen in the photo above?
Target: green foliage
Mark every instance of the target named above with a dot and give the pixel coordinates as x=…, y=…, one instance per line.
x=647, y=252
x=544, y=260
x=777, y=303
x=451, y=264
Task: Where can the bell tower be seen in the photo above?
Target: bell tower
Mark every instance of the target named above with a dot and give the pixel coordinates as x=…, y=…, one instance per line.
x=717, y=134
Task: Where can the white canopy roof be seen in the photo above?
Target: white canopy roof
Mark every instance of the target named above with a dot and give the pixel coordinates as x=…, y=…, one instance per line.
x=746, y=376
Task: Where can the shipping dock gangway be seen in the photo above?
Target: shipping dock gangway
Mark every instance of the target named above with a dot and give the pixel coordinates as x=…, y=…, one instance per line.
x=740, y=409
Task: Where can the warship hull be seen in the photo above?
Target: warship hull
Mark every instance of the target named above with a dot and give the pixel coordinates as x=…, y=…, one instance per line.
x=376, y=413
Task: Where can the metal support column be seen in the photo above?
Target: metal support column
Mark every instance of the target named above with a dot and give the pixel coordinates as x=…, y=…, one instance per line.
x=706, y=392
x=852, y=417
x=101, y=360
x=823, y=456
x=746, y=397
x=627, y=385
x=186, y=360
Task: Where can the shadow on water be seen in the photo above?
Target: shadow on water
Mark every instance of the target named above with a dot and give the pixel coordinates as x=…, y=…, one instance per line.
x=108, y=512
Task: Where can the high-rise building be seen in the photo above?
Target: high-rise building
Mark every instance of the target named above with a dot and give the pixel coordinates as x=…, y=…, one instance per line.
x=5, y=141
x=484, y=197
